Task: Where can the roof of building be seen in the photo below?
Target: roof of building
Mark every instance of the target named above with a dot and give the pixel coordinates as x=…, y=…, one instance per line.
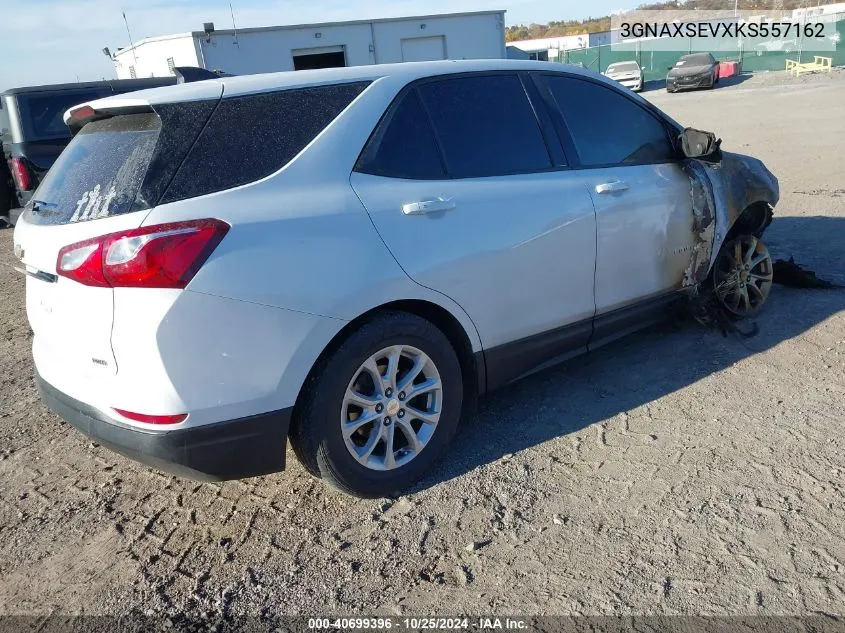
x=287, y=27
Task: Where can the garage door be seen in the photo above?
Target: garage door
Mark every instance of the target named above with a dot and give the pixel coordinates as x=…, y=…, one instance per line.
x=320, y=57
x=423, y=49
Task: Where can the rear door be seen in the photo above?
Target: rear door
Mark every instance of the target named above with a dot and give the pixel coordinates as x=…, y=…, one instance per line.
x=472, y=202
x=105, y=181
x=641, y=194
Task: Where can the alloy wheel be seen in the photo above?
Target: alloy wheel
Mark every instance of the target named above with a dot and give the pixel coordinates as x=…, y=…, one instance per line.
x=743, y=275
x=391, y=407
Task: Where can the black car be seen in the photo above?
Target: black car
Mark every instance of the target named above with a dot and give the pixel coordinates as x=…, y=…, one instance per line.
x=33, y=131
x=698, y=70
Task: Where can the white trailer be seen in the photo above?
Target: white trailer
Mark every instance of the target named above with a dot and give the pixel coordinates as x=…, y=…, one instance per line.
x=476, y=35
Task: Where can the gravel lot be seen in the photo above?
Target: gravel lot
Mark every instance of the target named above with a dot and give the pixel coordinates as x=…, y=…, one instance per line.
x=677, y=472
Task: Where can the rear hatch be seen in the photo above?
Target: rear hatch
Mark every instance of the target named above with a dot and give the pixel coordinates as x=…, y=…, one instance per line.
x=107, y=179
x=90, y=191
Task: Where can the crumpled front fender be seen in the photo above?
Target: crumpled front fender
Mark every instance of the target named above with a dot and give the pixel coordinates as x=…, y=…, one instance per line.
x=720, y=194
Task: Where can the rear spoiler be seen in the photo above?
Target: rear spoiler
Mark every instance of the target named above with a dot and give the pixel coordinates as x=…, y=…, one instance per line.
x=188, y=74
x=128, y=103
x=77, y=117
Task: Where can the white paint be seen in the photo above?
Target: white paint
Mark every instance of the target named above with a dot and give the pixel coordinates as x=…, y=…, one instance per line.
x=264, y=50
x=552, y=43
x=150, y=56
x=423, y=49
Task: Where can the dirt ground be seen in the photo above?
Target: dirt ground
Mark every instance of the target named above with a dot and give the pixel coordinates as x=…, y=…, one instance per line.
x=677, y=472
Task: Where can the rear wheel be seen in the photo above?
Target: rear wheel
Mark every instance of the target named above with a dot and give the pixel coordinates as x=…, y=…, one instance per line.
x=742, y=275
x=381, y=410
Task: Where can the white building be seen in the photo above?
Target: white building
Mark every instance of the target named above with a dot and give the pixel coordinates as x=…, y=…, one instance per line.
x=477, y=35
x=825, y=9
x=548, y=48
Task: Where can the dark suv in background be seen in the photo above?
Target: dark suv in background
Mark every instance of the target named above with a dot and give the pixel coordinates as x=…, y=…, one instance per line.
x=33, y=131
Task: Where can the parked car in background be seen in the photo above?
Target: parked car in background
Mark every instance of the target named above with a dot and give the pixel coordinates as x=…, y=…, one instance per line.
x=34, y=134
x=777, y=46
x=217, y=268
x=698, y=70
x=629, y=74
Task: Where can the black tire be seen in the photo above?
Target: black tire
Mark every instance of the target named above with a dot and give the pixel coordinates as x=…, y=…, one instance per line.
x=316, y=436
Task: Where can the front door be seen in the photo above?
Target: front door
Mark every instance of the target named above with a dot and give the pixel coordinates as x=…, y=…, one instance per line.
x=644, y=219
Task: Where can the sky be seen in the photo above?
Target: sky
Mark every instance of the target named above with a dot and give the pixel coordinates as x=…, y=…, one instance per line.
x=53, y=41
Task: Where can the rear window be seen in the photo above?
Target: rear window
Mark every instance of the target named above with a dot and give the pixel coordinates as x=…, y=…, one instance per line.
x=250, y=137
x=100, y=172
x=42, y=114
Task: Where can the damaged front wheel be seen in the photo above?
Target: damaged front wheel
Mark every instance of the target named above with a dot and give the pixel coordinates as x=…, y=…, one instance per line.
x=742, y=275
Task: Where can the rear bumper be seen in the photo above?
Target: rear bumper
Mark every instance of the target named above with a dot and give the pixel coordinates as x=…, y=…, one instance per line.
x=235, y=449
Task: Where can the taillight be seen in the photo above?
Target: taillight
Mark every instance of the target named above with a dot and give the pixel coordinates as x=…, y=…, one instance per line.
x=20, y=173
x=153, y=419
x=161, y=256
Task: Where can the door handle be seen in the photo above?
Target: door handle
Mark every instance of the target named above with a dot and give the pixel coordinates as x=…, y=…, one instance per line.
x=612, y=187
x=428, y=206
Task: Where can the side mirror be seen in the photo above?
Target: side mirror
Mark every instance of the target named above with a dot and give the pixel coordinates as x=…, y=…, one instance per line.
x=700, y=145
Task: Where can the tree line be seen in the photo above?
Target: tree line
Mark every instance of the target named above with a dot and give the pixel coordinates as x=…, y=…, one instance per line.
x=600, y=24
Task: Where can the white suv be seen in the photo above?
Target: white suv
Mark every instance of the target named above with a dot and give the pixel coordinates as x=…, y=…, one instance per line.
x=348, y=257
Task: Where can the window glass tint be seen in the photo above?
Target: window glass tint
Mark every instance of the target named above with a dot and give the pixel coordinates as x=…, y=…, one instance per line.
x=250, y=137
x=100, y=172
x=403, y=145
x=5, y=124
x=607, y=127
x=42, y=115
x=485, y=125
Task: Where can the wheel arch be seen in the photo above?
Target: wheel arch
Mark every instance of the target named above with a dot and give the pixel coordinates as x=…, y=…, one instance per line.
x=473, y=369
x=752, y=220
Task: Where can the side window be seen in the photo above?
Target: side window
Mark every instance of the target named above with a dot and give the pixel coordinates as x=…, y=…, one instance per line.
x=5, y=124
x=485, y=125
x=606, y=127
x=42, y=113
x=250, y=137
x=403, y=145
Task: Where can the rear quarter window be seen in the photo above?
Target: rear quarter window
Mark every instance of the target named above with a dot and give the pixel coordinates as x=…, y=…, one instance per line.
x=250, y=137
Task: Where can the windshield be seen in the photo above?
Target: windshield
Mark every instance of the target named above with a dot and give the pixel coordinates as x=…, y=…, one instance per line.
x=623, y=67
x=42, y=114
x=701, y=59
x=99, y=174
